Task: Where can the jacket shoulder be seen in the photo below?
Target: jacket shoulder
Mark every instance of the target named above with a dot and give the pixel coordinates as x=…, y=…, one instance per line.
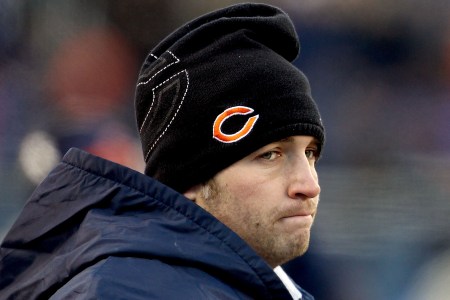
x=136, y=279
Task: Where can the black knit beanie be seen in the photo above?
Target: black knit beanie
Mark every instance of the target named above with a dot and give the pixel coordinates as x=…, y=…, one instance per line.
x=217, y=89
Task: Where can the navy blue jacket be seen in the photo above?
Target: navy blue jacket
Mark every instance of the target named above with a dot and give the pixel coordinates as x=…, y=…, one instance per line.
x=97, y=230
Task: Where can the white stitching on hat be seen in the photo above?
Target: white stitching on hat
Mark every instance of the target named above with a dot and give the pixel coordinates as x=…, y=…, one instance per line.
x=176, y=112
x=177, y=60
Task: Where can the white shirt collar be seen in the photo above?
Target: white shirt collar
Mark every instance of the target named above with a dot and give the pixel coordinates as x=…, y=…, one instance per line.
x=290, y=286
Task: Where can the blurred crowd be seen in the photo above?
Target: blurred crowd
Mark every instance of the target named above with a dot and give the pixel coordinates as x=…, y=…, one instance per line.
x=379, y=71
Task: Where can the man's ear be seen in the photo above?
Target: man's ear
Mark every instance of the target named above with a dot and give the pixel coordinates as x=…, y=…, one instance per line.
x=193, y=192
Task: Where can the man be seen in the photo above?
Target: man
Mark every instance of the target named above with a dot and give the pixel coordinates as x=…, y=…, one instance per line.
x=231, y=134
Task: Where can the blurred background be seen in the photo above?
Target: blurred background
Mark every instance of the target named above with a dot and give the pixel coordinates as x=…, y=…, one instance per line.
x=379, y=71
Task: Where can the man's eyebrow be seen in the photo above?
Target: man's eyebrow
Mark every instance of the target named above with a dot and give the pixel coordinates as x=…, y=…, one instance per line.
x=315, y=142
x=290, y=139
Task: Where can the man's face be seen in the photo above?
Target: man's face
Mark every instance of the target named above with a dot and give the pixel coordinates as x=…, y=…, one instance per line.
x=269, y=198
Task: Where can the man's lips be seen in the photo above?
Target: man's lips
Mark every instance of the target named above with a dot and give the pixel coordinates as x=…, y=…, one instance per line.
x=298, y=220
x=299, y=214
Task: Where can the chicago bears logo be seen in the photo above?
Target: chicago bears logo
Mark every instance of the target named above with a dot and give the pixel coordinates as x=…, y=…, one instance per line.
x=219, y=135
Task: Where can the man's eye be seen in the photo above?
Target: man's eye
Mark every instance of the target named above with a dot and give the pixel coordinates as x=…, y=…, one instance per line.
x=311, y=154
x=270, y=155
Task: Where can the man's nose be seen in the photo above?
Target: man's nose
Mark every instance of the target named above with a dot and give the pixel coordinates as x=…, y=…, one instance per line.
x=303, y=181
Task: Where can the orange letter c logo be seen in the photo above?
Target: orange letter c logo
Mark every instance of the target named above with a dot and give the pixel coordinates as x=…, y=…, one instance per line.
x=235, y=110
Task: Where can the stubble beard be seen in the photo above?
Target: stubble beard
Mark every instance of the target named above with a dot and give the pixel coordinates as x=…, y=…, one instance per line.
x=274, y=247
